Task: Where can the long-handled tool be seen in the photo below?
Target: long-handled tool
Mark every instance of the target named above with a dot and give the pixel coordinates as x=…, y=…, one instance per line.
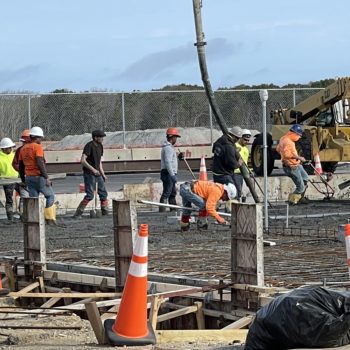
x=188, y=166
x=93, y=212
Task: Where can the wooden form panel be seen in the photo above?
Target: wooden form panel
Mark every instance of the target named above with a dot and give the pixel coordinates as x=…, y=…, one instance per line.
x=125, y=230
x=34, y=234
x=247, y=251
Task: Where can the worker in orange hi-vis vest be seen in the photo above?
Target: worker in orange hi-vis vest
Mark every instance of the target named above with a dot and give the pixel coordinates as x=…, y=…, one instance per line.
x=292, y=164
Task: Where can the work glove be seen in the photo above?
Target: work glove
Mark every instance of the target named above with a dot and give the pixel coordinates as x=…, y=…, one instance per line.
x=181, y=156
x=173, y=178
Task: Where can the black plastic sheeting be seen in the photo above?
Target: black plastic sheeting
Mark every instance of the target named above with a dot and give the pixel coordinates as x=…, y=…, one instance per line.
x=305, y=317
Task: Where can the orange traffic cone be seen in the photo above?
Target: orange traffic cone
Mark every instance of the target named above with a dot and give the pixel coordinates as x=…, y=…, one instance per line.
x=131, y=326
x=318, y=166
x=203, y=170
x=3, y=291
x=347, y=244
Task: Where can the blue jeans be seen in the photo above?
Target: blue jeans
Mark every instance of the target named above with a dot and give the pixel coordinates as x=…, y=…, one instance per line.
x=299, y=177
x=189, y=198
x=169, y=188
x=238, y=182
x=36, y=185
x=90, y=181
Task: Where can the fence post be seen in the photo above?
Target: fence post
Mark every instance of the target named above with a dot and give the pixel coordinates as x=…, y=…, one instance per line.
x=211, y=125
x=294, y=98
x=123, y=120
x=29, y=113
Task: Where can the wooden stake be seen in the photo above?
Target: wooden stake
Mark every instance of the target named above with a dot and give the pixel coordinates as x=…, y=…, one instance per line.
x=155, y=304
x=200, y=315
x=96, y=323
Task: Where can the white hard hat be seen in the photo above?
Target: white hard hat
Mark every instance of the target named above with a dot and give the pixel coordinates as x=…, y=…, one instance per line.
x=36, y=131
x=6, y=143
x=246, y=132
x=231, y=190
x=236, y=131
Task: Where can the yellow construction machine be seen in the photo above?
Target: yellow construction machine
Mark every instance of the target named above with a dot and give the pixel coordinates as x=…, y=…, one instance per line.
x=325, y=117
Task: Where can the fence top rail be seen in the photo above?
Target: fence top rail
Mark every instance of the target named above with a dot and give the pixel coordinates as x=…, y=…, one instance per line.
x=38, y=95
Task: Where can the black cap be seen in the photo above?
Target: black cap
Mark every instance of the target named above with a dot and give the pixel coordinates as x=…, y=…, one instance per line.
x=98, y=133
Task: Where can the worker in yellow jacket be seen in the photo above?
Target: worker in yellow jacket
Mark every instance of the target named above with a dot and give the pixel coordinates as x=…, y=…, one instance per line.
x=241, y=146
x=6, y=170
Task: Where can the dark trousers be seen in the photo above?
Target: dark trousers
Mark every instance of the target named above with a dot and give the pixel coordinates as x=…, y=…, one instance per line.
x=8, y=189
x=169, y=188
x=238, y=182
x=223, y=179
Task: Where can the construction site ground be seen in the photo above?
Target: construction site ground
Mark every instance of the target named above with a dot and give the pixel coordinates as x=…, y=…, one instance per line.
x=308, y=251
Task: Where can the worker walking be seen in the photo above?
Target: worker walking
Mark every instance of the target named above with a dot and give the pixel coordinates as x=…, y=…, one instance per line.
x=33, y=172
x=292, y=163
x=243, y=150
x=6, y=170
x=226, y=156
x=93, y=173
x=205, y=195
x=169, y=167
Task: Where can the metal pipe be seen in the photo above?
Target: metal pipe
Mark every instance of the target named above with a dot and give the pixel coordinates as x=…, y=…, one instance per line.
x=175, y=206
x=39, y=327
x=123, y=120
x=306, y=216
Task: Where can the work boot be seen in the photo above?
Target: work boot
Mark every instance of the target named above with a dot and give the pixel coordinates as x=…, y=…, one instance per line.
x=304, y=200
x=9, y=214
x=294, y=198
x=185, y=223
x=104, y=207
x=202, y=222
x=50, y=215
x=80, y=210
x=164, y=201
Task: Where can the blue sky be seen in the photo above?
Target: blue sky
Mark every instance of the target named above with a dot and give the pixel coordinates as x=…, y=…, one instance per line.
x=141, y=45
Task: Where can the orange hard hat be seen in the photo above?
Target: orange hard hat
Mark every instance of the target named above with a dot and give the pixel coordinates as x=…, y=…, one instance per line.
x=173, y=132
x=25, y=135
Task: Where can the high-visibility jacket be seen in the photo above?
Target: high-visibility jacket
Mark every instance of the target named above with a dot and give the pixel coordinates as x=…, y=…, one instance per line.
x=286, y=148
x=244, y=152
x=211, y=192
x=6, y=168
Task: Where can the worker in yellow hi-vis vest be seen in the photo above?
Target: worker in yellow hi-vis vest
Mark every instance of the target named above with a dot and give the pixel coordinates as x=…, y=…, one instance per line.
x=241, y=146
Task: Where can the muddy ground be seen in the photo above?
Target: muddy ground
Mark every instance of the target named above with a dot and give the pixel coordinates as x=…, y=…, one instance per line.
x=307, y=251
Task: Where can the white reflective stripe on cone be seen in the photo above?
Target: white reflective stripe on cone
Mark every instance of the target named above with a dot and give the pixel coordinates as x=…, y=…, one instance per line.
x=138, y=270
x=141, y=246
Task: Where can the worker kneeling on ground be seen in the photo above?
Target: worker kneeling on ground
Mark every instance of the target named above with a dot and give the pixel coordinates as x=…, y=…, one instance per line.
x=205, y=196
x=292, y=163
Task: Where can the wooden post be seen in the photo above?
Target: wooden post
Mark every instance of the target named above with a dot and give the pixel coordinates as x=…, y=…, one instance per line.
x=247, y=252
x=153, y=313
x=200, y=315
x=34, y=235
x=125, y=230
x=96, y=323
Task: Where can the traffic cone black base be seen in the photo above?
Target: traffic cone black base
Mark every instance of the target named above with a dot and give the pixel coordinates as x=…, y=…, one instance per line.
x=119, y=340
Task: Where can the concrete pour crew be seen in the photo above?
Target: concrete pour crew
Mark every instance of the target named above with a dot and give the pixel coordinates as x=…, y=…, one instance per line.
x=205, y=196
x=292, y=163
x=91, y=161
x=243, y=150
x=226, y=156
x=33, y=172
x=6, y=170
x=169, y=166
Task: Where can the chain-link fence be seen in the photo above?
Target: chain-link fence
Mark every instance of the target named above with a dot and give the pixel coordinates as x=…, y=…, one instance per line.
x=62, y=114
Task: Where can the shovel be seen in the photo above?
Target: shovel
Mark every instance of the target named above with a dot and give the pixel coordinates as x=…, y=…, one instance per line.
x=93, y=212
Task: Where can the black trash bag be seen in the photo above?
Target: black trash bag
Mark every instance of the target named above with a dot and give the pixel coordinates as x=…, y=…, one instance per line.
x=305, y=317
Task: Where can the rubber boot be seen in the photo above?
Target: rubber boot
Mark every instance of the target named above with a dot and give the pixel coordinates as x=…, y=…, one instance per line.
x=50, y=215
x=202, y=222
x=172, y=200
x=185, y=222
x=80, y=210
x=294, y=198
x=164, y=201
x=9, y=214
x=104, y=207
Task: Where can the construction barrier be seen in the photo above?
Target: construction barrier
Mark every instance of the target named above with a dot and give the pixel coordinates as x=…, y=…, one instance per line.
x=131, y=327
